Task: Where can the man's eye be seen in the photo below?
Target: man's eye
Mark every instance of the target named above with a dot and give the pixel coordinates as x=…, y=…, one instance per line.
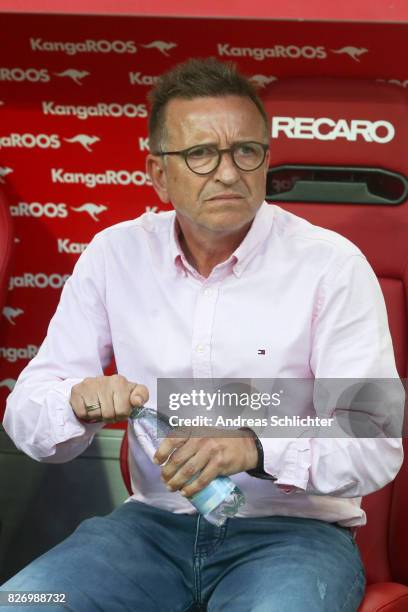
x=201, y=153
x=247, y=149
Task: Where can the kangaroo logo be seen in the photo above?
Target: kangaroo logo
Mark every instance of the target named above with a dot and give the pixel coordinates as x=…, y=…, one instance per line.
x=12, y=313
x=353, y=52
x=91, y=209
x=161, y=46
x=8, y=382
x=260, y=80
x=4, y=171
x=73, y=74
x=84, y=140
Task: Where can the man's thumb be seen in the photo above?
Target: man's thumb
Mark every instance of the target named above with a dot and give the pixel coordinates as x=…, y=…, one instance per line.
x=136, y=398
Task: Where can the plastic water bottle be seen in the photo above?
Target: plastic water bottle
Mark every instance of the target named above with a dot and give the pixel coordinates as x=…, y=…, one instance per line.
x=218, y=500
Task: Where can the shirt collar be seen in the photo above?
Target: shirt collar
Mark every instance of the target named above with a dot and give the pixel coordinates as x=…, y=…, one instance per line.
x=258, y=232
x=243, y=254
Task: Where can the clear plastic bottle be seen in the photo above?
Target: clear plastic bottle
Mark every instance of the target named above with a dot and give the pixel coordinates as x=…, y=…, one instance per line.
x=218, y=500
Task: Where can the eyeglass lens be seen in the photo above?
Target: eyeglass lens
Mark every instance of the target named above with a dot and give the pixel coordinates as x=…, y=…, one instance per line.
x=246, y=156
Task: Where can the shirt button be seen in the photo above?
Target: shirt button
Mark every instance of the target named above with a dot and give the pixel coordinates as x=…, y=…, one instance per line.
x=200, y=348
x=208, y=291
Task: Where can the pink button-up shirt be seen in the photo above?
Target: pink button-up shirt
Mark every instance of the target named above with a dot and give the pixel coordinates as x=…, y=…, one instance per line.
x=293, y=301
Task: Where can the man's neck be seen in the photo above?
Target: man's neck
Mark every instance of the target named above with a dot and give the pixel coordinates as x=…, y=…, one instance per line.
x=206, y=250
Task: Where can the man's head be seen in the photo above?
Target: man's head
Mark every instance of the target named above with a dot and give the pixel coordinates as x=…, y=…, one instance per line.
x=196, y=78
x=206, y=105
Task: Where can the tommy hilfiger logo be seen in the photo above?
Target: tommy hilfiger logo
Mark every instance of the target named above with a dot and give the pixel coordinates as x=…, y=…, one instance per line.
x=261, y=352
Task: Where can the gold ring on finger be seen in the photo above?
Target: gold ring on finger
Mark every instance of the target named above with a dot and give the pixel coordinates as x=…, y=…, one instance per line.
x=93, y=407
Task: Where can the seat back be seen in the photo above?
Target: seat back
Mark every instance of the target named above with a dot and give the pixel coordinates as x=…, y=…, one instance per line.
x=325, y=122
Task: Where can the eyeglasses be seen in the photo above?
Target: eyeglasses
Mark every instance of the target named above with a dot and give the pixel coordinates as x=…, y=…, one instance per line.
x=204, y=159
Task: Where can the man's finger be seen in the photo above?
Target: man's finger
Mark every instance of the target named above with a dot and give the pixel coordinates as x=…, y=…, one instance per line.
x=139, y=395
x=169, y=445
x=177, y=475
x=84, y=400
x=105, y=396
x=92, y=409
x=121, y=404
x=208, y=474
x=119, y=389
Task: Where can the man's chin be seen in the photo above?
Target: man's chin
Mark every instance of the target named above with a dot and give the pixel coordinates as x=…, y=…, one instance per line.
x=226, y=223
x=219, y=219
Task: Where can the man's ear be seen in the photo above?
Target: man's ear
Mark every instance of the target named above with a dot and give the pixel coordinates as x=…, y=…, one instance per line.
x=267, y=159
x=155, y=169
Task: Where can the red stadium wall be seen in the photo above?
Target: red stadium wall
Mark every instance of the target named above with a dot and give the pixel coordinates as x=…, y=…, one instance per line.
x=352, y=10
x=73, y=127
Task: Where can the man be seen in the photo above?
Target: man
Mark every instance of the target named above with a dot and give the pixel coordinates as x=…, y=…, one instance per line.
x=224, y=287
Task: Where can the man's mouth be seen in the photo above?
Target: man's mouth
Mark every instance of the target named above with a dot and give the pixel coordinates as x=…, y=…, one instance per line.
x=226, y=196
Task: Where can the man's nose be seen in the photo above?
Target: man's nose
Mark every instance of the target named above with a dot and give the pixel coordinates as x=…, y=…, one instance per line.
x=227, y=172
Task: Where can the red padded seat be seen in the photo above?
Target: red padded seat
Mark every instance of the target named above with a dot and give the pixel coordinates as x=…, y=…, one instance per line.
x=381, y=232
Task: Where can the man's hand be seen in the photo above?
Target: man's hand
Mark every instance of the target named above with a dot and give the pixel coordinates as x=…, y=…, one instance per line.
x=106, y=398
x=211, y=454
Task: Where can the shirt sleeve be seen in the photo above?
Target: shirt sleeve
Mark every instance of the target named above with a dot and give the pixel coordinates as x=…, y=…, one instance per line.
x=38, y=415
x=351, y=341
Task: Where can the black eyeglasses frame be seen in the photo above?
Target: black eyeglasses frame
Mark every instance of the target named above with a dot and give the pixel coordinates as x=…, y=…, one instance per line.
x=184, y=153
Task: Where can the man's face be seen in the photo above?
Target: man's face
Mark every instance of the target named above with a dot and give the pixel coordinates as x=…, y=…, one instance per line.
x=228, y=198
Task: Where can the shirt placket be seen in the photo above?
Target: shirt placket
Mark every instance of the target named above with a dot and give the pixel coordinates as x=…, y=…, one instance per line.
x=202, y=339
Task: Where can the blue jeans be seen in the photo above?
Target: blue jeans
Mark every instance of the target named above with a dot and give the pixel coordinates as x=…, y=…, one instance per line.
x=144, y=558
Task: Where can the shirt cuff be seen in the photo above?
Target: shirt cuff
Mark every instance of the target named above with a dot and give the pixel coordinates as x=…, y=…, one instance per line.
x=289, y=460
x=61, y=416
